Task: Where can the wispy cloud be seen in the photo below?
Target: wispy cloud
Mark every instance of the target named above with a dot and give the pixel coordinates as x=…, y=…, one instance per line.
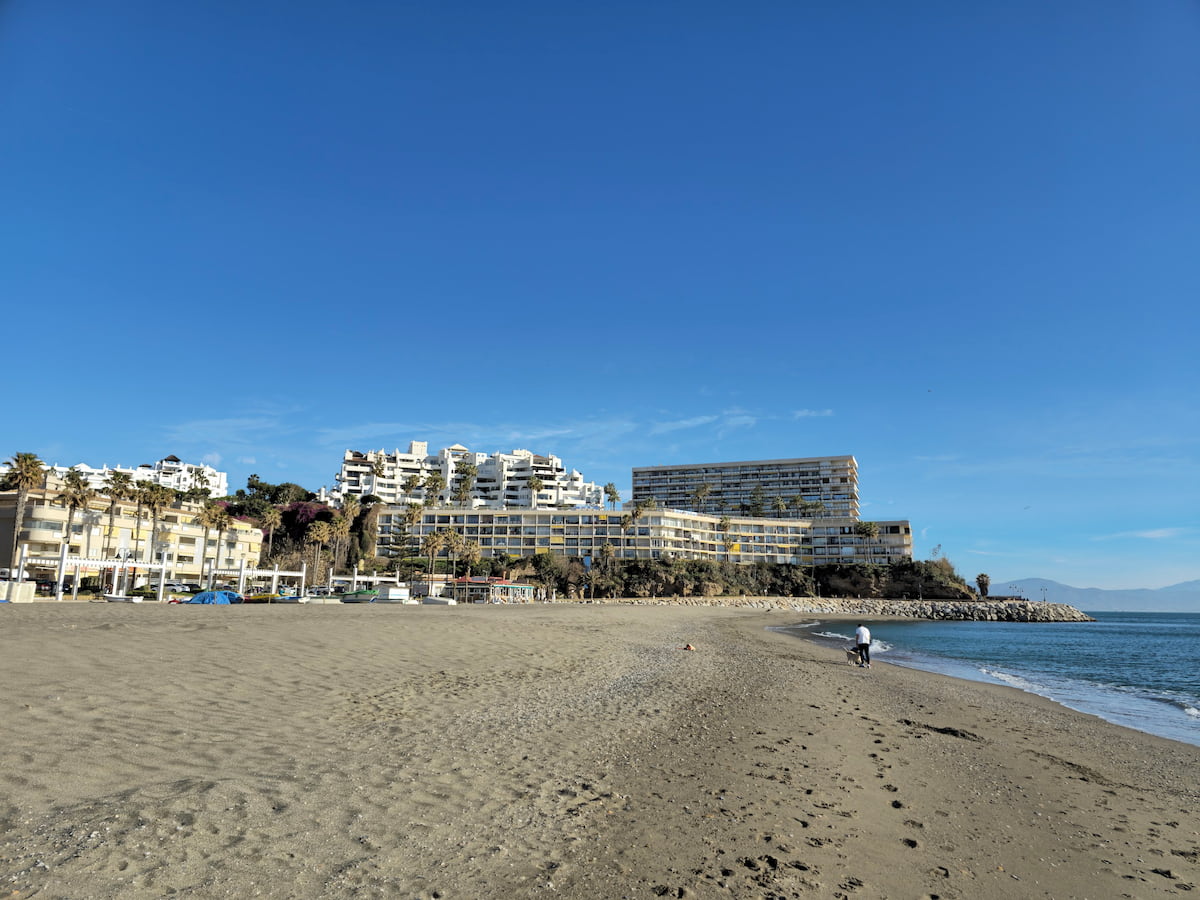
x=234, y=430
x=1147, y=534
x=811, y=413
x=734, y=422
x=486, y=437
x=680, y=424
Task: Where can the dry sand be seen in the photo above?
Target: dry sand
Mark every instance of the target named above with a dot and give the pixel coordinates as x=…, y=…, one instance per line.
x=549, y=751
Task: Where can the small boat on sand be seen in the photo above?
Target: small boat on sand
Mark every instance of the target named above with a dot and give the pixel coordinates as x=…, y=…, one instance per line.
x=364, y=595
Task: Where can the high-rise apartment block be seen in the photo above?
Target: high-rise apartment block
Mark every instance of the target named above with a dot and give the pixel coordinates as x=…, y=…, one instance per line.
x=495, y=481
x=813, y=487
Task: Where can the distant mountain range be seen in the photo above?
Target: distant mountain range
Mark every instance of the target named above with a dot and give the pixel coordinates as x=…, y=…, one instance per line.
x=1183, y=597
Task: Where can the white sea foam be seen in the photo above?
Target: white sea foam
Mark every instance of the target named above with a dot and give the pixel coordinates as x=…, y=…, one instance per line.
x=833, y=635
x=1192, y=711
x=1013, y=680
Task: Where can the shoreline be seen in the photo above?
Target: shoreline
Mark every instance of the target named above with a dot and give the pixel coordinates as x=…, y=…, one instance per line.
x=1153, y=710
x=552, y=750
x=875, y=608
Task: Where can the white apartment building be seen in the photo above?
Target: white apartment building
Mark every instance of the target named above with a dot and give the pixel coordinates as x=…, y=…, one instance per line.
x=820, y=487
x=501, y=479
x=170, y=472
x=656, y=534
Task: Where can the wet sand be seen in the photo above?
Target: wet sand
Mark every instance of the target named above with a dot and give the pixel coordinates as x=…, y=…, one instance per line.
x=550, y=751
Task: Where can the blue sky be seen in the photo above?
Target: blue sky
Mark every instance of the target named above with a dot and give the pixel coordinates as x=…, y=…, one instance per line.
x=959, y=241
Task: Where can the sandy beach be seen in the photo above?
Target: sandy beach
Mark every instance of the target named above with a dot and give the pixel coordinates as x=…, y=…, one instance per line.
x=550, y=751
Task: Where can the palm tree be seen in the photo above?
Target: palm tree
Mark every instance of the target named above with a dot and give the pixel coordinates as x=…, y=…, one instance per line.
x=779, y=505
x=117, y=485
x=200, y=483
x=453, y=544
x=76, y=494
x=470, y=553
x=140, y=492
x=318, y=534
x=351, y=507
x=432, y=546
x=726, y=539
x=339, y=530
x=612, y=495
x=212, y=516
x=807, y=507
x=868, y=531
x=412, y=518
x=410, y=485
x=535, y=486
x=224, y=521
x=157, y=499
x=700, y=494
x=467, y=473
x=25, y=472
x=434, y=484
x=607, y=552
x=270, y=519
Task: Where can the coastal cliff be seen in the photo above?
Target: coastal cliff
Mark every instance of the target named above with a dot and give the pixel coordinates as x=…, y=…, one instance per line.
x=953, y=610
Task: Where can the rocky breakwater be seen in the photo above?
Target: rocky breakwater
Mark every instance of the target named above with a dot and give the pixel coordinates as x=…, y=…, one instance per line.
x=955, y=610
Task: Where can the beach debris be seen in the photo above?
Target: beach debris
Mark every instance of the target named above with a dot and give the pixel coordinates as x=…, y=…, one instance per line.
x=687, y=647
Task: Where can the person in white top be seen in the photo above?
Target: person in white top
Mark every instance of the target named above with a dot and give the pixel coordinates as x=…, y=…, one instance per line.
x=862, y=641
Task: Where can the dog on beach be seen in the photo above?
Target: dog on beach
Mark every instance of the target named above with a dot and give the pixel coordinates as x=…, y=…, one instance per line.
x=852, y=658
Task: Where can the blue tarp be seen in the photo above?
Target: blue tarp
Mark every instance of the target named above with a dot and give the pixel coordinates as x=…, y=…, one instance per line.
x=222, y=598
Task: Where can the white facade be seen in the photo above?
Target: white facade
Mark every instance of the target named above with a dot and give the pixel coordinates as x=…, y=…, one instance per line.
x=502, y=480
x=169, y=472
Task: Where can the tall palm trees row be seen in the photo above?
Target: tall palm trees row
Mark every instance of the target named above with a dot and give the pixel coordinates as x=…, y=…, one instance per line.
x=334, y=533
x=457, y=547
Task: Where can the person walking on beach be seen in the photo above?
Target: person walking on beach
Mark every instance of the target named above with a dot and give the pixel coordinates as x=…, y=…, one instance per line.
x=862, y=643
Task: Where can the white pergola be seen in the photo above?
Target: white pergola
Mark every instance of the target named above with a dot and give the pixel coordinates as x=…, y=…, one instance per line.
x=122, y=566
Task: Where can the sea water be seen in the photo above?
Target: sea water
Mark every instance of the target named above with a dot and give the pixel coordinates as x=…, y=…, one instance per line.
x=1134, y=669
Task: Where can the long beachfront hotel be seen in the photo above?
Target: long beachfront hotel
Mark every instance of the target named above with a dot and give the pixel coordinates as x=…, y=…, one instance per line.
x=656, y=534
